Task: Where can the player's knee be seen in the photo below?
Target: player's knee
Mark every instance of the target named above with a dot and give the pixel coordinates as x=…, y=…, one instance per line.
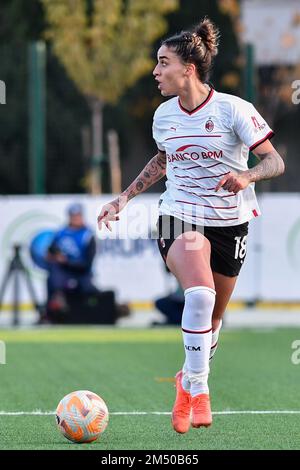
x=198, y=308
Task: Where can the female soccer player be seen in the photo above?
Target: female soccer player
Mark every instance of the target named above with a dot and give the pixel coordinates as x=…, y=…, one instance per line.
x=203, y=139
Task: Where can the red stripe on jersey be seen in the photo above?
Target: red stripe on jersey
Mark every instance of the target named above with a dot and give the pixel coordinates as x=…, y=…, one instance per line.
x=197, y=186
x=184, y=147
x=207, y=218
x=206, y=205
x=206, y=195
x=196, y=332
x=203, y=177
x=188, y=136
x=196, y=166
x=255, y=213
x=268, y=136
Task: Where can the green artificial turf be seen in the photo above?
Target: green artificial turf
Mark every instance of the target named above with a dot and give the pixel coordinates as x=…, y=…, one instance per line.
x=132, y=371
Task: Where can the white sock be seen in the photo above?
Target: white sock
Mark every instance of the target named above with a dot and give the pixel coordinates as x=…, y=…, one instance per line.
x=186, y=385
x=197, y=335
x=214, y=341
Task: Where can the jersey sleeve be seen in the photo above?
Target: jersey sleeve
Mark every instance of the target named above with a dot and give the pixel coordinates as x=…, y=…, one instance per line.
x=157, y=133
x=250, y=126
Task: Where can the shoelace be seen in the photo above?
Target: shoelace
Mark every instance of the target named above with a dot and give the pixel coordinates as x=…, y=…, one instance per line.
x=201, y=404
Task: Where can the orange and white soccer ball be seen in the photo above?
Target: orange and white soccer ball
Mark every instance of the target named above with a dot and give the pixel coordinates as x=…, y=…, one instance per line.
x=82, y=416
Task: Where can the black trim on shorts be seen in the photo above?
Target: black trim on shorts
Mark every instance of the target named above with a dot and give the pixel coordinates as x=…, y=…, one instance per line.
x=228, y=244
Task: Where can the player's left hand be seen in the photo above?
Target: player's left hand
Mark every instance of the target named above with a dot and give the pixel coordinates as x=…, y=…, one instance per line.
x=234, y=182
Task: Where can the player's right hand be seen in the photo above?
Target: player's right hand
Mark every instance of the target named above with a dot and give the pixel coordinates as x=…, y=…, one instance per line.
x=109, y=212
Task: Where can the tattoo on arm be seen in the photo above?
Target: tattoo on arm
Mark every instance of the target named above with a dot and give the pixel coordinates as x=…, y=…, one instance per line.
x=153, y=172
x=270, y=166
x=139, y=185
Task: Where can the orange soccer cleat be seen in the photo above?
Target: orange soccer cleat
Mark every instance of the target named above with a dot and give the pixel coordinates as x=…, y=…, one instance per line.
x=201, y=412
x=182, y=407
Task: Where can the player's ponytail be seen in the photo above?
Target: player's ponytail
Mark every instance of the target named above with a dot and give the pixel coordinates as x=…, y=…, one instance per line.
x=199, y=47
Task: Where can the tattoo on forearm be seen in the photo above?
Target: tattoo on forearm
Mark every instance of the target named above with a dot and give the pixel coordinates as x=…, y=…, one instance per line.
x=270, y=166
x=153, y=172
x=161, y=161
x=139, y=185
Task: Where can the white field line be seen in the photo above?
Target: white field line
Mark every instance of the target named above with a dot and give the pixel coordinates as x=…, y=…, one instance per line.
x=143, y=413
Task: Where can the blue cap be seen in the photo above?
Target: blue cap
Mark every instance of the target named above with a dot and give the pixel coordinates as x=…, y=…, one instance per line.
x=75, y=208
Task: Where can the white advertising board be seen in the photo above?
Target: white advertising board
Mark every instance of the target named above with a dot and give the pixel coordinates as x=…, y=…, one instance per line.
x=128, y=260
x=280, y=247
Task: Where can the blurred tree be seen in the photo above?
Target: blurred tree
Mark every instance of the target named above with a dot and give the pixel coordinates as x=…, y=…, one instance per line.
x=22, y=21
x=18, y=19
x=112, y=42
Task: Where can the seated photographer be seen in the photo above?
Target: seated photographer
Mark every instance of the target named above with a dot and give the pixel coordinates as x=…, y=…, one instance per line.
x=171, y=306
x=70, y=257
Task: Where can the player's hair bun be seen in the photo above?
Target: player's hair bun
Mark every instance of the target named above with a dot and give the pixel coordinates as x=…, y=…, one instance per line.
x=207, y=31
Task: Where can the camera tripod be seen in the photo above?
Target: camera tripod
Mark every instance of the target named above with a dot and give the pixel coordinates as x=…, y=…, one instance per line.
x=15, y=269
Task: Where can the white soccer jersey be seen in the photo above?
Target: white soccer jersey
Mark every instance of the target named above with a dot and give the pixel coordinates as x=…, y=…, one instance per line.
x=201, y=147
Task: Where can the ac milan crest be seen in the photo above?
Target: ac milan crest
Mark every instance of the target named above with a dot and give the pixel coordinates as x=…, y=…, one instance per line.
x=209, y=125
